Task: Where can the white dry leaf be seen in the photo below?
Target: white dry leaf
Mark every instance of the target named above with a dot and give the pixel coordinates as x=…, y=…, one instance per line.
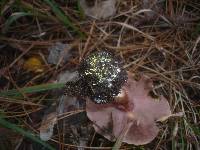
x=155, y=7
x=46, y=129
x=66, y=100
x=67, y=76
x=58, y=53
x=101, y=9
x=50, y=119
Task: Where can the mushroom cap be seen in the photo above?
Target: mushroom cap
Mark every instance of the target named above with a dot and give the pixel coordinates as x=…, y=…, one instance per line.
x=110, y=121
x=102, y=75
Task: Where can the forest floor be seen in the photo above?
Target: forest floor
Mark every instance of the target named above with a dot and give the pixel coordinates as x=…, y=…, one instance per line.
x=157, y=38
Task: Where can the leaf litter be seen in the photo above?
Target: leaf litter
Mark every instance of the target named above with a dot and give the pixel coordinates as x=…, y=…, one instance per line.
x=153, y=37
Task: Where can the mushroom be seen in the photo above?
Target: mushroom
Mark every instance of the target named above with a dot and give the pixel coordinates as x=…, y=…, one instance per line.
x=134, y=112
x=118, y=105
x=101, y=77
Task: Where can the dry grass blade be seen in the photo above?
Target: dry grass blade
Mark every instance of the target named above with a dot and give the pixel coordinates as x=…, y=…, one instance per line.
x=134, y=29
x=119, y=140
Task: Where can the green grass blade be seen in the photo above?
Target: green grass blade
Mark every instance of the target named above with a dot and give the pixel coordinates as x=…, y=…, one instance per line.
x=27, y=7
x=30, y=135
x=62, y=17
x=32, y=89
x=12, y=19
x=80, y=10
x=182, y=139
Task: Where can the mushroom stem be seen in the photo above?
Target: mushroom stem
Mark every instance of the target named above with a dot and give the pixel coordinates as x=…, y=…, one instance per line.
x=122, y=102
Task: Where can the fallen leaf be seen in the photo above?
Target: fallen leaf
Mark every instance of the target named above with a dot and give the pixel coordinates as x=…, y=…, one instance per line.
x=65, y=103
x=100, y=9
x=47, y=125
x=58, y=53
x=34, y=64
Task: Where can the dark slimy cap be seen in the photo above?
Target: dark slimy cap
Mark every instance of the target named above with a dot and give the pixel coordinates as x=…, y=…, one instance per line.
x=101, y=76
